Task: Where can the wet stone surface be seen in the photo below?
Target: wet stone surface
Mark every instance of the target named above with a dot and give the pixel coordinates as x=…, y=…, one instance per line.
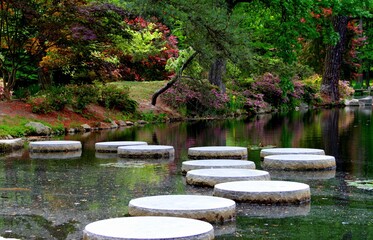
x=55, y=146
x=112, y=147
x=286, y=151
x=206, y=208
x=149, y=228
x=264, y=192
x=302, y=162
x=216, y=163
x=210, y=177
x=218, y=152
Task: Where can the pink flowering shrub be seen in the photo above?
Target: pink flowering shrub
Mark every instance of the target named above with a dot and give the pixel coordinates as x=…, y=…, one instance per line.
x=197, y=98
x=345, y=90
x=269, y=86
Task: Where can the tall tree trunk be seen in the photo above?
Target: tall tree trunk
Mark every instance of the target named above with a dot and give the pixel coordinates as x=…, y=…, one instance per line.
x=333, y=60
x=216, y=73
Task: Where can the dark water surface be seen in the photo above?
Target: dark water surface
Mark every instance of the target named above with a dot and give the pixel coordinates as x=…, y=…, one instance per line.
x=54, y=198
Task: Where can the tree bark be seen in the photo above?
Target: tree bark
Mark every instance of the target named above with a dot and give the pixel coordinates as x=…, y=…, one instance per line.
x=173, y=80
x=216, y=73
x=333, y=60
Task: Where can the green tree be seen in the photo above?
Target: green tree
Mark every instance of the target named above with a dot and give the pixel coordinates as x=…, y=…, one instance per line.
x=17, y=35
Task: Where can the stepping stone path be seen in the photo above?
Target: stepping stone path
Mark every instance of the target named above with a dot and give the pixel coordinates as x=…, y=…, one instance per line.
x=264, y=192
x=282, y=151
x=112, y=147
x=149, y=228
x=217, y=152
x=56, y=155
x=216, y=163
x=206, y=208
x=299, y=162
x=55, y=146
x=210, y=177
x=147, y=152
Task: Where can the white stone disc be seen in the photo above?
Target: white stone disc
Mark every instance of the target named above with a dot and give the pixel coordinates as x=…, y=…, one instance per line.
x=265, y=192
x=219, y=152
x=216, y=163
x=106, y=147
x=207, y=208
x=281, y=151
x=55, y=146
x=149, y=227
x=210, y=177
x=146, y=151
x=299, y=162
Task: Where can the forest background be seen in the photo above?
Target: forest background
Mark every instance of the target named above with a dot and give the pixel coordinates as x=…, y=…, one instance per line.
x=215, y=57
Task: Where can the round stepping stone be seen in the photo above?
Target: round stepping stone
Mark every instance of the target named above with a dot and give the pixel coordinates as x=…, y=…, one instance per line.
x=264, y=192
x=56, y=155
x=206, y=208
x=216, y=163
x=55, y=146
x=111, y=147
x=210, y=177
x=299, y=162
x=149, y=227
x=146, y=152
x=282, y=151
x=219, y=152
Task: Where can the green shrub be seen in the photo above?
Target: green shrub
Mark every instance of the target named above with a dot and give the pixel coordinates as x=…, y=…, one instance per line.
x=113, y=97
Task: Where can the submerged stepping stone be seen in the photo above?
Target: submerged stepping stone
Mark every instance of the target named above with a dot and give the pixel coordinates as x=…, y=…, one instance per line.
x=146, y=152
x=299, y=162
x=210, y=177
x=282, y=151
x=216, y=163
x=264, y=192
x=149, y=228
x=218, y=152
x=55, y=146
x=206, y=208
x=111, y=147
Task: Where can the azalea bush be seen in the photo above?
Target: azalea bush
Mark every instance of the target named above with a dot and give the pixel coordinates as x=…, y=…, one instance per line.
x=196, y=98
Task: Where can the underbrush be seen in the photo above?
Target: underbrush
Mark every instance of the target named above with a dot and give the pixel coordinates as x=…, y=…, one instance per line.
x=78, y=97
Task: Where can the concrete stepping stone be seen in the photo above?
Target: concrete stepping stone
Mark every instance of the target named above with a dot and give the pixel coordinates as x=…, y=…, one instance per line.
x=8, y=145
x=210, y=177
x=55, y=146
x=149, y=228
x=206, y=208
x=264, y=192
x=299, y=162
x=216, y=163
x=112, y=147
x=282, y=151
x=56, y=155
x=217, y=152
x=147, y=152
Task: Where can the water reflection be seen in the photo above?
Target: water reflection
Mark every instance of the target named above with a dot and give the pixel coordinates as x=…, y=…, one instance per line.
x=56, y=198
x=272, y=211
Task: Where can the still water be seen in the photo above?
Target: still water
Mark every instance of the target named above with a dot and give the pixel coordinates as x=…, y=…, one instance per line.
x=54, y=198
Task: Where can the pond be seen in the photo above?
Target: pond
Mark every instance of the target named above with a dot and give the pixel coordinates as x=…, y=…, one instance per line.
x=54, y=198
